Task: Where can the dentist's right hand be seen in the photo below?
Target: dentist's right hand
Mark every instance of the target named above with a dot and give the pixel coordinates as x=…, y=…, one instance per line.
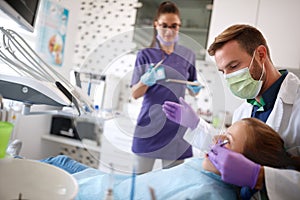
x=182, y=113
x=149, y=77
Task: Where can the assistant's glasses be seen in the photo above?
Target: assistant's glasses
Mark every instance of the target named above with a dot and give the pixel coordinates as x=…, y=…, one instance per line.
x=174, y=27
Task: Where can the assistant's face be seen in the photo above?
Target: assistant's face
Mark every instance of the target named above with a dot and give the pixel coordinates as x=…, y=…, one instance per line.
x=236, y=134
x=167, y=26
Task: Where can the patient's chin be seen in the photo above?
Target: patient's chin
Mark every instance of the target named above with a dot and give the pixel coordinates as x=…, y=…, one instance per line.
x=208, y=166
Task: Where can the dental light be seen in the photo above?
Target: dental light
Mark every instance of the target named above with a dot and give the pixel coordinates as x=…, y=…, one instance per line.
x=37, y=83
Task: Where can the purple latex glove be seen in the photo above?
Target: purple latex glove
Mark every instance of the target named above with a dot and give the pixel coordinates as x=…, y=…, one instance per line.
x=181, y=113
x=234, y=167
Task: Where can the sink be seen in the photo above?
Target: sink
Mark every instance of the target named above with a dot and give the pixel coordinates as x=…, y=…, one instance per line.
x=33, y=180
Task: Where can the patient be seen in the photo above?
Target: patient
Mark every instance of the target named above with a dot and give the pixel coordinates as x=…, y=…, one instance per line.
x=197, y=177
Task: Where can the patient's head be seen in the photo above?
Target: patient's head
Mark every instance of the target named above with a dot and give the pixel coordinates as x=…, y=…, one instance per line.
x=256, y=141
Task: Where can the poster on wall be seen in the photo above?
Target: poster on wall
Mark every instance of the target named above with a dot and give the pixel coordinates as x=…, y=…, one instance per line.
x=52, y=31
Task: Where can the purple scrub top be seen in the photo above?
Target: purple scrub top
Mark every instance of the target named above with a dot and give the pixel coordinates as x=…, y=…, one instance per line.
x=156, y=136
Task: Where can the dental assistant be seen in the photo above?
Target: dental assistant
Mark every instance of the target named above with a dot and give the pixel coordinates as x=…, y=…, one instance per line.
x=156, y=137
x=273, y=96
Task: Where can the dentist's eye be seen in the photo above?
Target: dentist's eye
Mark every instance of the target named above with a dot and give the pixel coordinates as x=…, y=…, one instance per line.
x=233, y=66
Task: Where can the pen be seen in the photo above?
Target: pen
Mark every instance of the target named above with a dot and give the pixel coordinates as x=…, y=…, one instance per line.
x=183, y=82
x=158, y=64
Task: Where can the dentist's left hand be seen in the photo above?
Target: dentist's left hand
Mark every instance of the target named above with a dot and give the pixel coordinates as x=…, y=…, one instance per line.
x=182, y=113
x=234, y=167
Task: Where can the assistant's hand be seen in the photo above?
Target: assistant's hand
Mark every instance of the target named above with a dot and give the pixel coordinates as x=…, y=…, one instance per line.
x=149, y=78
x=194, y=88
x=182, y=113
x=234, y=167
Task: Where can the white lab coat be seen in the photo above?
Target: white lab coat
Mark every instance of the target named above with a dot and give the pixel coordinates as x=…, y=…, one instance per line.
x=285, y=116
x=282, y=184
x=285, y=119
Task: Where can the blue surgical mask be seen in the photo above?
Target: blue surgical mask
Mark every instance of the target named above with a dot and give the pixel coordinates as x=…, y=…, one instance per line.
x=242, y=84
x=167, y=43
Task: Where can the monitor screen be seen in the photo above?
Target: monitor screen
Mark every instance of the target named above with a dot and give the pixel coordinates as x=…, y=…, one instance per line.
x=23, y=12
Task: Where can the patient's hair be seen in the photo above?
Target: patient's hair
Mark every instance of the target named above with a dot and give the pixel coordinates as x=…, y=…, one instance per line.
x=264, y=146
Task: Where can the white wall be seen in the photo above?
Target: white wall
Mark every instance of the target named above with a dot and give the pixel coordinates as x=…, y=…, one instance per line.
x=279, y=22
x=229, y=12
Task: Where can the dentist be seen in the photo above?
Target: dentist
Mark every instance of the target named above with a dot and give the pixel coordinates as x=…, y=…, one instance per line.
x=273, y=96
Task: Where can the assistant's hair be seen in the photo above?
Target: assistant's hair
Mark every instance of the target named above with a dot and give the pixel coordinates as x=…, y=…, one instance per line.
x=164, y=8
x=248, y=37
x=264, y=146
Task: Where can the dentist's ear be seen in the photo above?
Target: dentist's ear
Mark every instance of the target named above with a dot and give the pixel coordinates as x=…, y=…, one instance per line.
x=261, y=54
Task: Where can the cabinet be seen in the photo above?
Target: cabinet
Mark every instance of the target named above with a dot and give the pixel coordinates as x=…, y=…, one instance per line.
x=115, y=147
x=86, y=152
x=195, y=21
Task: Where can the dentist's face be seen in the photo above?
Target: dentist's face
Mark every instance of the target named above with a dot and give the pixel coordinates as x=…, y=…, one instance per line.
x=236, y=134
x=231, y=57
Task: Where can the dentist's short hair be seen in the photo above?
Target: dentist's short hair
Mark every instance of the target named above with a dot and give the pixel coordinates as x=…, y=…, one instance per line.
x=247, y=36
